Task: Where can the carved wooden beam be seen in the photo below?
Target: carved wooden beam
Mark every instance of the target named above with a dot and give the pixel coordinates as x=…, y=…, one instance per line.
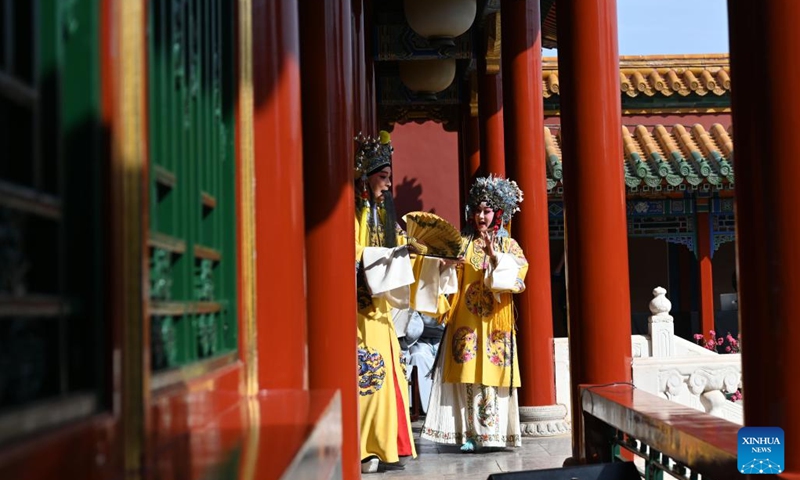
x=493, y=39
x=473, y=93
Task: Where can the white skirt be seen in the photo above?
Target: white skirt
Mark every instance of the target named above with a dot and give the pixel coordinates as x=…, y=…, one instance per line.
x=457, y=412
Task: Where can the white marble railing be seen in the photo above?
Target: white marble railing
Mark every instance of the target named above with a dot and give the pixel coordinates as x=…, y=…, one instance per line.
x=670, y=366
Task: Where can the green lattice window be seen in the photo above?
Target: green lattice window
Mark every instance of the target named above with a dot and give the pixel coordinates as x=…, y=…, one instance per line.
x=192, y=168
x=51, y=239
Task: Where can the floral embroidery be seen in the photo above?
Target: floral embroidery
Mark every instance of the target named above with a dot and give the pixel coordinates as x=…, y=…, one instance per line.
x=458, y=437
x=479, y=300
x=498, y=348
x=516, y=250
x=405, y=361
x=371, y=371
x=478, y=257
x=487, y=408
x=464, y=345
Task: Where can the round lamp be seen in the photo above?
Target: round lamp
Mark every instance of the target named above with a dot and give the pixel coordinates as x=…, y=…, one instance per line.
x=427, y=77
x=440, y=21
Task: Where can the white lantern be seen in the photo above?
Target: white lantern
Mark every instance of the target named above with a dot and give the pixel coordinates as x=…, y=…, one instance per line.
x=440, y=21
x=427, y=77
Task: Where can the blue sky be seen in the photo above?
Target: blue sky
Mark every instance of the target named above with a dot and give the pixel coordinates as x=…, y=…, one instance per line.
x=659, y=27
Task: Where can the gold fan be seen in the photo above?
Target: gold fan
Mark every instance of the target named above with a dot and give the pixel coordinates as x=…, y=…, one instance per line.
x=433, y=235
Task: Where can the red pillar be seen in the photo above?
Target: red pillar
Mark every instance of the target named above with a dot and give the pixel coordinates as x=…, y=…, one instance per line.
x=490, y=112
x=470, y=155
x=766, y=106
x=705, y=271
x=371, y=120
x=361, y=103
x=594, y=200
x=473, y=151
x=278, y=154
x=524, y=142
x=327, y=88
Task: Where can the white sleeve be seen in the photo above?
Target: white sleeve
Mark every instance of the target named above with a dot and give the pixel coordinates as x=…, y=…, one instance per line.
x=388, y=273
x=502, y=277
x=427, y=297
x=432, y=283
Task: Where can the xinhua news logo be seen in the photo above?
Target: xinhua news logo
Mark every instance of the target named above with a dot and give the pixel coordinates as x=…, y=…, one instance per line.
x=760, y=450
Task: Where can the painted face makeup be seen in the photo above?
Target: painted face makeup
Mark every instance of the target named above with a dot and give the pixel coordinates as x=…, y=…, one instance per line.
x=380, y=182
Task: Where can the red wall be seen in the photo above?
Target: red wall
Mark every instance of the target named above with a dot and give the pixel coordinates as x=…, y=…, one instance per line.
x=425, y=170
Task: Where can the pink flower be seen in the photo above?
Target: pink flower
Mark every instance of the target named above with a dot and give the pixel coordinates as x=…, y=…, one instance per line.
x=712, y=333
x=698, y=336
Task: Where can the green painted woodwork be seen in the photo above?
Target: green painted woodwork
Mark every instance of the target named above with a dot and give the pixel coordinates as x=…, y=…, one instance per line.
x=161, y=274
x=52, y=311
x=192, y=180
x=690, y=102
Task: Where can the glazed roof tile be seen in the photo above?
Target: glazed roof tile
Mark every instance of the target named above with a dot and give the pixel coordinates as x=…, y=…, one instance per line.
x=664, y=75
x=660, y=158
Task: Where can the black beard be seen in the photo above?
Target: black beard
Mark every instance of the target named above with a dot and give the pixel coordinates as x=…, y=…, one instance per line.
x=390, y=220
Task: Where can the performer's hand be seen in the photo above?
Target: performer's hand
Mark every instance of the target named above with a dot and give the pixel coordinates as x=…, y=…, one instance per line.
x=489, y=237
x=416, y=248
x=446, y=262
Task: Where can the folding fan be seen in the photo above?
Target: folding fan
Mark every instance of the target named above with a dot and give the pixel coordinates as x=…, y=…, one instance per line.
x=433, y=235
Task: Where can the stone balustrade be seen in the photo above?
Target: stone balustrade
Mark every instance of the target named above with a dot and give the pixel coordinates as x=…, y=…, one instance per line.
x=670, y=367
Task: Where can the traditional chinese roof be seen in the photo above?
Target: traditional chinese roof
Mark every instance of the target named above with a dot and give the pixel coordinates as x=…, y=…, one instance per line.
x=653, y=84
x=659, y=83
x=651, y=75
x=661, y=158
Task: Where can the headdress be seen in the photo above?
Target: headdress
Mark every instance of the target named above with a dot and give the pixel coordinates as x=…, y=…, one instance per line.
x=498, y=193
x=373, y=154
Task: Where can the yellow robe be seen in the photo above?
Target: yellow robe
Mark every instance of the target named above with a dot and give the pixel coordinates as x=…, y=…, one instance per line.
x=479, y=329
x=474, y=392
x=379, y=367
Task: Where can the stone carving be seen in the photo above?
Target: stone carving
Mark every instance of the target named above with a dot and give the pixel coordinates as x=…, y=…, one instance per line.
x=544, y=421
x=704, y=380
x=698, y=381
x=662, y=330
x=660, y=306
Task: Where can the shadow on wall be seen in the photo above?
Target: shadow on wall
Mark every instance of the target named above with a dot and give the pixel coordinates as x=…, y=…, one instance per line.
x=408, y=197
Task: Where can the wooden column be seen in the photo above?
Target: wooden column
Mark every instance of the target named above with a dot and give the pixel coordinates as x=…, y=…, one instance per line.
x=278, y=168
x=705, y=272
x=594, y=200
x=470, y=156
x=371, y=120
x=327, y=89
x=524, y=144
x=764, y=45
x=361, y=102
x=462, y=161
x=473, y=141
x=490, y=113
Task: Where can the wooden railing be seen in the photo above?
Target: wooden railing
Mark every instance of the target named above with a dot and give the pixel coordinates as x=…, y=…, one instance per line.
x=671, y=438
